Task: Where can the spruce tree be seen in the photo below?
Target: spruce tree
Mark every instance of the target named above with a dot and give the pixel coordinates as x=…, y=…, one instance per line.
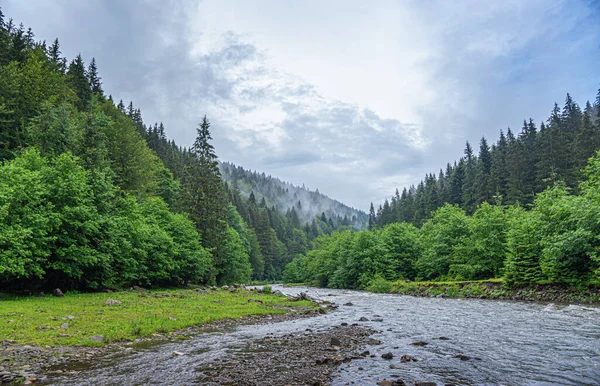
x=372, y=217
x=94, y=79
x=482, y=177
x=205, y=197
x=78, y=81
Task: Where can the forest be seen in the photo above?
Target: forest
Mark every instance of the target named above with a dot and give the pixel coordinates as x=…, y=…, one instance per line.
x=91, y=197
x=527, y=211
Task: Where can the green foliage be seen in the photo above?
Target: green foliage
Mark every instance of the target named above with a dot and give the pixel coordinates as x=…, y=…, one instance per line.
x=555, y=242
x=237, y=268
x=52, y=229
x=439, y=237
x=266, y=289
x=380, y=285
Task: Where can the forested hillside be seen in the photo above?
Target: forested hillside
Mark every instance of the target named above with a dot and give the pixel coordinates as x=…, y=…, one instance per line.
x=91, y=197
x=527, y=210
x=512, y=170
x=285, y=196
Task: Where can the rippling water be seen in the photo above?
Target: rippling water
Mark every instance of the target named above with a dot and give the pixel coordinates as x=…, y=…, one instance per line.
x=508, y=343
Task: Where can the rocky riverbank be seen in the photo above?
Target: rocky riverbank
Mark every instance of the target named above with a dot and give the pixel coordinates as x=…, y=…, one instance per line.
x=28, y=364
x=293, y=359
x=496, y=290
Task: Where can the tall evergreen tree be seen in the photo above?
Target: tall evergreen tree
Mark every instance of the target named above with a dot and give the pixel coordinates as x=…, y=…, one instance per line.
x=78, y=81
x=205, y=197
x=94, y=79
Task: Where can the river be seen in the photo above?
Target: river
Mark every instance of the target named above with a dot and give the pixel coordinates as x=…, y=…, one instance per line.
x=507, y=343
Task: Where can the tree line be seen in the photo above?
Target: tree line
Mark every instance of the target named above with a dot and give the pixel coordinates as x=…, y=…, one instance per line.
x=516, y=167
x=526, y=210
x=91, y=197
x=555, y=241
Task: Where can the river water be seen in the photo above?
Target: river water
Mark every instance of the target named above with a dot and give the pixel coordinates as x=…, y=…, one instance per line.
x=507, y=343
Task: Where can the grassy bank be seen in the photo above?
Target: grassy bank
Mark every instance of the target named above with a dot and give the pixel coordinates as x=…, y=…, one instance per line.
x=76, y=318
x=491, y=289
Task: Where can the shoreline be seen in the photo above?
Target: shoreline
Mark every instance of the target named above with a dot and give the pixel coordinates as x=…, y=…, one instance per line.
x=28, y=362
x=495, y=290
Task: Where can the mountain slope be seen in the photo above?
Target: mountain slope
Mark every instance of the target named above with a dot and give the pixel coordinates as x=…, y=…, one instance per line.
x=284, y=196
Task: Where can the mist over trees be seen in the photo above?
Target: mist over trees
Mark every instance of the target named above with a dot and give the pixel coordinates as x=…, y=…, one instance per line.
x=285, y=196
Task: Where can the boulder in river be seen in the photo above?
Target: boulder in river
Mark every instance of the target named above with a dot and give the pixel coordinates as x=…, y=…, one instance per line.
x=462, y=357
x=391, y=383
x=349, y=304
x=58, y=293
x=363, y=319
x=387, y=355
x=420, y=343
x=407, y=358
x=177, y=354
x=373, y=342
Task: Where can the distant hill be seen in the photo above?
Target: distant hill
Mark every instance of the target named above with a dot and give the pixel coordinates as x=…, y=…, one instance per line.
x=283, y=195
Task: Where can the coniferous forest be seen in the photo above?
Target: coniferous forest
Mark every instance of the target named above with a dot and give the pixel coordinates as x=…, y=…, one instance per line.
x=92, y=197
x=526, y=209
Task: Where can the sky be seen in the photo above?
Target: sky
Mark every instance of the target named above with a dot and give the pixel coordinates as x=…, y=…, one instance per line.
x=351, y=97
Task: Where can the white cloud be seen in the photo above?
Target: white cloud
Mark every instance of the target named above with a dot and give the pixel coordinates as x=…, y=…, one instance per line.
x=352, y=98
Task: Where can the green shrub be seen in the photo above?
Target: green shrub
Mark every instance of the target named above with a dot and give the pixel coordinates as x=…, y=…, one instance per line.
x=379, y=285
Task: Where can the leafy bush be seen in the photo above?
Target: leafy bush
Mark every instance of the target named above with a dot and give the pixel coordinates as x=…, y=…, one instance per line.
x=380, y=285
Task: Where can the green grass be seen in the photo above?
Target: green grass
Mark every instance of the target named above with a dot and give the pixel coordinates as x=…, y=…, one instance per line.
x=37, y=321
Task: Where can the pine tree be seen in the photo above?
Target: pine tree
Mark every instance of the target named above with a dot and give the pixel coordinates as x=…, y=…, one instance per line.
x=78, y=81
x=469, y=197
x=94, y=79
x=205, y=197
x=372, y=217
x=482, y=177
x=54, y=53
x=587, y=141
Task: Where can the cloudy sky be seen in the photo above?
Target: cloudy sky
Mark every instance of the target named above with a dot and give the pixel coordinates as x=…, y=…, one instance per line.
x=354, y=98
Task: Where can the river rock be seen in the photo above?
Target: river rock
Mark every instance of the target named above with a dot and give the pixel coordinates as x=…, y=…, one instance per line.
x=462, y=357
x=443, y=338
x=373, y=342
x=419, y=343
x=387, y=355
x=58, y=293
x=349, y=304
x=363, y=319
x=177, y=354
x=425, y=384
x=113, y=302
x=377, y=320
x=391, y=383
x=407, y=358
x=335, y=342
